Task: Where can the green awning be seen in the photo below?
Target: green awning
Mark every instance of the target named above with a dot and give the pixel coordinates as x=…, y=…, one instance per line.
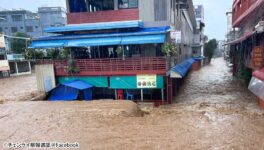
x=95, y=81
x=130, y=82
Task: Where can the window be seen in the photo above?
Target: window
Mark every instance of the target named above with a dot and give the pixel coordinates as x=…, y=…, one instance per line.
x=21, y=28
x=13, y=29
x=29, y=29
x=17, y=17
x=3, y=18
x=6, y=28
x=1, y=29
x=36, y=27
x=127, y=4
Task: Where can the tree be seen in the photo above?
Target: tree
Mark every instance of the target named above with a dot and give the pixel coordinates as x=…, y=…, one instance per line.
x=209, y=49
x=19, y=45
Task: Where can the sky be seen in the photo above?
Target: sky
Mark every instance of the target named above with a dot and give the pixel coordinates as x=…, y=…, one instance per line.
x=215, y=18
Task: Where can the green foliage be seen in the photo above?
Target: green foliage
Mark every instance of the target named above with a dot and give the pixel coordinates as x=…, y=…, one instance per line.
x=209, y=49
x=119, y=50
x=53, y=54
x=64, y=53
x=34, y=54
x=19, y=45
x=71, y=69
x=58, y=53
x=170, y=49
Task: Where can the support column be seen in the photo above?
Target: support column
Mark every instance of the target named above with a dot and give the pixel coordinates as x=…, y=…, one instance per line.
x=16, y=68
x=115, y=94
x=29, y=66
x=169, y=90
x=162, y=95
x=142, y=95
x=115, y=4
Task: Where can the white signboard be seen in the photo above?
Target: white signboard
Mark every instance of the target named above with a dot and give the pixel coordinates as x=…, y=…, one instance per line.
x=2, y=41
x=146, y=81
x=176, y=35
x=4, y=65
x=178, y=38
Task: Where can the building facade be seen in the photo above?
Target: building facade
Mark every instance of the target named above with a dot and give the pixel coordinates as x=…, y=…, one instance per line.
x=118, y=46
x=13, y=21
x=247, y=50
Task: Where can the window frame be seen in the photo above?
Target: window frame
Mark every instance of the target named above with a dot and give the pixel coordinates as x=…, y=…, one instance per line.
x=14, y=29
x=16, y=20
x=29, y=27
x=128, y=2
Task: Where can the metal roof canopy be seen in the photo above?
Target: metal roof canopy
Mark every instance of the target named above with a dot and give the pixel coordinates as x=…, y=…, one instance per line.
x=95, y=26
x=144, y=36
x=180, y=70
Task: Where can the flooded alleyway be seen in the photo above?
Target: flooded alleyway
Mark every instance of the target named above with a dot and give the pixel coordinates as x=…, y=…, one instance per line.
x=213, y=111
x=214, y=85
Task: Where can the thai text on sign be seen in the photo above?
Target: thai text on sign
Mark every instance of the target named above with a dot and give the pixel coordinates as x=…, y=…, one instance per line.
x=146, y=81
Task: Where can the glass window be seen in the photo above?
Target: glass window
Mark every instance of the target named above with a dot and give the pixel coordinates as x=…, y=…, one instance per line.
x=29, y=29
x=17, y=17
x=1, y=30
x=127, y=4
x=13, y=29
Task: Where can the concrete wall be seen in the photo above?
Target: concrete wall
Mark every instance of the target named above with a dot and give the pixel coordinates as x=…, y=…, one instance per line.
x=45, y=77
x=151, y=18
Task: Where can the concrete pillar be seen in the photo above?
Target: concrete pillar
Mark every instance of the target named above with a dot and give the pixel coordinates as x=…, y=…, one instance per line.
x=115, y=94
x=169, y=90
x=142, y=95
x=116, y=4
x=16, y=67
x=162, y=95
x=29, y=66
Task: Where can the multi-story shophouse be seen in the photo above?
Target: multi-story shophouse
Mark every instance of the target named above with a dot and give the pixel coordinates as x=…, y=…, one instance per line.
x=119, y=46
x=247, y=50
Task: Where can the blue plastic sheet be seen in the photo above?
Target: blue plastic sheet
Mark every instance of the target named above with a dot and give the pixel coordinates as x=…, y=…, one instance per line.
x=71, y=90
x=183, y=68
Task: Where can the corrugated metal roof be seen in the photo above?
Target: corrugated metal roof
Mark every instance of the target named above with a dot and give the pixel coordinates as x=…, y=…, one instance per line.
x=95, y=26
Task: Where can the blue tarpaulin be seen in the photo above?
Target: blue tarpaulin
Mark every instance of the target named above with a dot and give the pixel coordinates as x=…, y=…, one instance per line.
x=143, y=36
x=71, y=90
x=180, y=70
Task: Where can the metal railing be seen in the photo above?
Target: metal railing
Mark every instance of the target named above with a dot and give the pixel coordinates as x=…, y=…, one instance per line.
x=111, y=66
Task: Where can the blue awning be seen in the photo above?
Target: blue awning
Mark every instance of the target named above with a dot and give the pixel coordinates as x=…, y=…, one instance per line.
x=180, y=70
x=95, y=26
x=78, y=84
x=143, y=36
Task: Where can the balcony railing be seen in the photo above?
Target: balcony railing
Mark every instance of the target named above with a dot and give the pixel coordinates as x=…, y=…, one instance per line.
x=111, y=66
x=243, y=8
x=103, y=16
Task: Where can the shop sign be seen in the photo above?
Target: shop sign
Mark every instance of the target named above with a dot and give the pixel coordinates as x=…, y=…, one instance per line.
x=176, y=35
x=257, y=57
x=146, y=81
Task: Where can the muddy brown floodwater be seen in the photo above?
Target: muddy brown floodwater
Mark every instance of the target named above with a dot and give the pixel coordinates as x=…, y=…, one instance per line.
x=213, y=111
x=18, y=88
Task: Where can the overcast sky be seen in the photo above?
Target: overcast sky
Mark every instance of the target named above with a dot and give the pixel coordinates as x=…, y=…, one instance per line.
x=215, y=10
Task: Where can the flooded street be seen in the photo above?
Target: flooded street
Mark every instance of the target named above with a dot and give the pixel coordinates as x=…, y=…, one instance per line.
x=212, y=111
x=20, y=88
